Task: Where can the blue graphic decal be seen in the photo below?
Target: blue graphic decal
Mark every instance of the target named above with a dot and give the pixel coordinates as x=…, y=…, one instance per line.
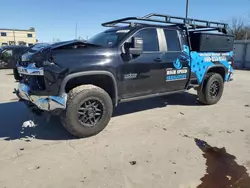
x=198, y=66
x=176, y=77
x=200, y=62
x=230, y=69
x=177, y=64
x=186, y=49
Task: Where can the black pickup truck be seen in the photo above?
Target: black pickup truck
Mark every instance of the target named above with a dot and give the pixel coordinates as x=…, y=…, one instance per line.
x=82, y=81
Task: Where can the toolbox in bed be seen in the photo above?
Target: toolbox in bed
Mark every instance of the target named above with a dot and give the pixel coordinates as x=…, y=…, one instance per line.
x=211, y=42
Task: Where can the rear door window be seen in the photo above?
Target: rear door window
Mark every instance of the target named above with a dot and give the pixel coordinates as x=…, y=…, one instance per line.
x=173, y=42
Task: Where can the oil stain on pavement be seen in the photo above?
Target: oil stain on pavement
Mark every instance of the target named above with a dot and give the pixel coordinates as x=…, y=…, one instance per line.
x=222, y=169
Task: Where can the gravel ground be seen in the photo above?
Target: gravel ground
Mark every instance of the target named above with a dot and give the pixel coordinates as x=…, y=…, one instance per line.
x=170, y=142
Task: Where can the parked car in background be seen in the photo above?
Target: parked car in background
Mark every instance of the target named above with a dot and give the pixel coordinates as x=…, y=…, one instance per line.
x=9, y=56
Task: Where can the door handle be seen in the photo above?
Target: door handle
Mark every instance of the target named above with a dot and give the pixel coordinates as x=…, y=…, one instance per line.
x=184, y=58
x=157, y=60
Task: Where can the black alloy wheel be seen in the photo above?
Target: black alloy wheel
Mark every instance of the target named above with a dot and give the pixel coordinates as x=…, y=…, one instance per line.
x=90, y=112
x=214, y=89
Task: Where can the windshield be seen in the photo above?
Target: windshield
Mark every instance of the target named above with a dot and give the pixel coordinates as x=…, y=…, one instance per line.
x=38, y=47
x=108, y=38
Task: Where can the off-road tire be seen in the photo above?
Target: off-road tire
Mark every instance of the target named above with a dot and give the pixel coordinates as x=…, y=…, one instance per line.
x=16, y=75
x=204, y=92
x=78, y=95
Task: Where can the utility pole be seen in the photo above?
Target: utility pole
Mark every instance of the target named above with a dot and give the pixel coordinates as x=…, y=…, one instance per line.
x=187, y=4
x=14, y=36
x=76, y=31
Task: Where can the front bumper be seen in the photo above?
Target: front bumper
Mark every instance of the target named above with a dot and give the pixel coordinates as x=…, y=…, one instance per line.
x=45, y=103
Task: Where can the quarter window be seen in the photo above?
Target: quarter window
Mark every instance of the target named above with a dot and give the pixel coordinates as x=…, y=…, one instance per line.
x=172, y=39
x=150, y=39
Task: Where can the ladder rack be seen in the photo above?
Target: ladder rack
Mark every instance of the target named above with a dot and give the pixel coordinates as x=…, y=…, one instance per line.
x=187, y=23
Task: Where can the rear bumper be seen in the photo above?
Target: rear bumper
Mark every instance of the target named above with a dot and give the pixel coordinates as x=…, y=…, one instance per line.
x=45, y=103
x=231, y=76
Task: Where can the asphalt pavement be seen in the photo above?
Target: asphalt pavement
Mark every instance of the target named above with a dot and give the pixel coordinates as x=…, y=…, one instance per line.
x=165, y=142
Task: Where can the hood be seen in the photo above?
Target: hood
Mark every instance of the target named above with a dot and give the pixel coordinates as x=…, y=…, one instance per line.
x=43, y=51
x=89, y=57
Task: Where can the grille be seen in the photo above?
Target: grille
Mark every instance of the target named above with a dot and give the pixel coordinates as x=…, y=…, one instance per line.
x=40, y=82
x=37, y=83
x=39, y=64
x=26, y=63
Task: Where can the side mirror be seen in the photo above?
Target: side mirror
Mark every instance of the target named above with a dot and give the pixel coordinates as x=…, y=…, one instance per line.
x=135, y=47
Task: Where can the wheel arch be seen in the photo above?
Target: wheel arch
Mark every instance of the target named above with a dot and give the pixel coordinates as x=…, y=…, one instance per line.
x=220, y=69
x=92, y=74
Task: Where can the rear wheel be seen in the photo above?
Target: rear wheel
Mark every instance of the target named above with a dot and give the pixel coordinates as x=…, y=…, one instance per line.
x=89, y=110
x=212, y=89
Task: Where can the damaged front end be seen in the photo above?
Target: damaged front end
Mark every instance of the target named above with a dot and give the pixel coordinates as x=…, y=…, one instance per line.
x=45, y=103
x=33, y=85
x=43, y=69
x=40, y=81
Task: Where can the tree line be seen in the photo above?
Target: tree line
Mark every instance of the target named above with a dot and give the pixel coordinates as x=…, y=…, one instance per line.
x=240, y=29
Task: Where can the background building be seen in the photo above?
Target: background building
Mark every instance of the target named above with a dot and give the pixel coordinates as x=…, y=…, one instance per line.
x=17, y=37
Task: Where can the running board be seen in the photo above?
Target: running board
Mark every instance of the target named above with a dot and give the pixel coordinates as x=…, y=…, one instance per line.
x=151, y=96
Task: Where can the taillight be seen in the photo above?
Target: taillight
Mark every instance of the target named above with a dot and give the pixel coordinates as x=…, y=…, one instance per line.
x=233, y=60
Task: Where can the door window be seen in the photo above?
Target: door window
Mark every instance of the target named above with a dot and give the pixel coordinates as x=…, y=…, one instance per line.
x=173, y=42
x=150, y=39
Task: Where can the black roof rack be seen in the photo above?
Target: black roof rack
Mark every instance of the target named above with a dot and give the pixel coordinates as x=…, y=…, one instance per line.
x=189, y=23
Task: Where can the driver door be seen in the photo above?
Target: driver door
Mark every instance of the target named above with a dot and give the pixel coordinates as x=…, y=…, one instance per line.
x=141, y=75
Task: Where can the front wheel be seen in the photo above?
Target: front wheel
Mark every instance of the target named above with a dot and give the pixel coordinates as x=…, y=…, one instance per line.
x=89, y=110
x=212, y=89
